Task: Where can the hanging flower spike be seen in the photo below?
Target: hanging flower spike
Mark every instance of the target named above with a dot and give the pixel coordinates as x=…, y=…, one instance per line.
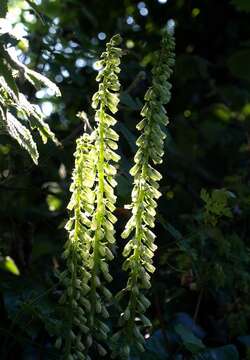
x=140, y=249
x=75, y=278
x=91, y=230
x=104, y=100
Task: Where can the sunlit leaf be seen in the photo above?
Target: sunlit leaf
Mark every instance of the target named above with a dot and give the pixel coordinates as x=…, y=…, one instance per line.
x=8, y=264
x=22, y=135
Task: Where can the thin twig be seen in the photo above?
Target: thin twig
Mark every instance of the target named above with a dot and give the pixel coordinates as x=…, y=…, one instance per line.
x=197, y=308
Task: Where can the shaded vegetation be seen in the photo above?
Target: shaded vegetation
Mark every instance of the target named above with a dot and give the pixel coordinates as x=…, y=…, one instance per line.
x=200, y=290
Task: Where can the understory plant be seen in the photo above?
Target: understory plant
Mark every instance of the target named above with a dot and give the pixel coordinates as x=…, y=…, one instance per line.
x=140, y=248
x=200, y=290
x=91, y=226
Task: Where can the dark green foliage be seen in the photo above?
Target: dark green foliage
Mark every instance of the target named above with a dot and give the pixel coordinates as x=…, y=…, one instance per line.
x=3, y=8
x=202, y=259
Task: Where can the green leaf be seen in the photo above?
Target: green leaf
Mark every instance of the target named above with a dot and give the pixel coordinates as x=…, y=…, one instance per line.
x=22, y=135
x=36, y=79
x=54, y=203
x=36, y=120
x=6, y=73
x=39, y=80
x=127, y=100
x=156, y=347
x=43, y=129
x=9, y=265
x=2, y=118
x=190, y=341
x=170, y=228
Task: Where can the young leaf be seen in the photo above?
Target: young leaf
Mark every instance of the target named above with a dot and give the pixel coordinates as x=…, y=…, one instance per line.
x=8, y=264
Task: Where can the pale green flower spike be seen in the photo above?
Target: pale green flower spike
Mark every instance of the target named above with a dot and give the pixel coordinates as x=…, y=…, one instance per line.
x=104, y=100
x=140, y=249
x=75, y=278
x=91, y=227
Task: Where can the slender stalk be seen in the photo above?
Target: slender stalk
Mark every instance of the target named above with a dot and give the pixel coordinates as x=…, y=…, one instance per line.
x=99, y=214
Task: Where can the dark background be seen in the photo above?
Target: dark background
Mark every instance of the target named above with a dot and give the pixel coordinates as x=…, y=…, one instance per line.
x=200, y=291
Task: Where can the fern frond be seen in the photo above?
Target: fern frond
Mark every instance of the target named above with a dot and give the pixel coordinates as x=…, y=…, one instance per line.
x=140, y=249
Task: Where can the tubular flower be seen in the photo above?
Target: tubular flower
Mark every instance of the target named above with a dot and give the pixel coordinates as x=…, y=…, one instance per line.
x=76, y=277
x=104, y=101
x=91, y=227
x=140, y=249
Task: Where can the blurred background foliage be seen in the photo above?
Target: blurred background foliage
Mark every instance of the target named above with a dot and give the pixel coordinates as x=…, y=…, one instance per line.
x=201, y=289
